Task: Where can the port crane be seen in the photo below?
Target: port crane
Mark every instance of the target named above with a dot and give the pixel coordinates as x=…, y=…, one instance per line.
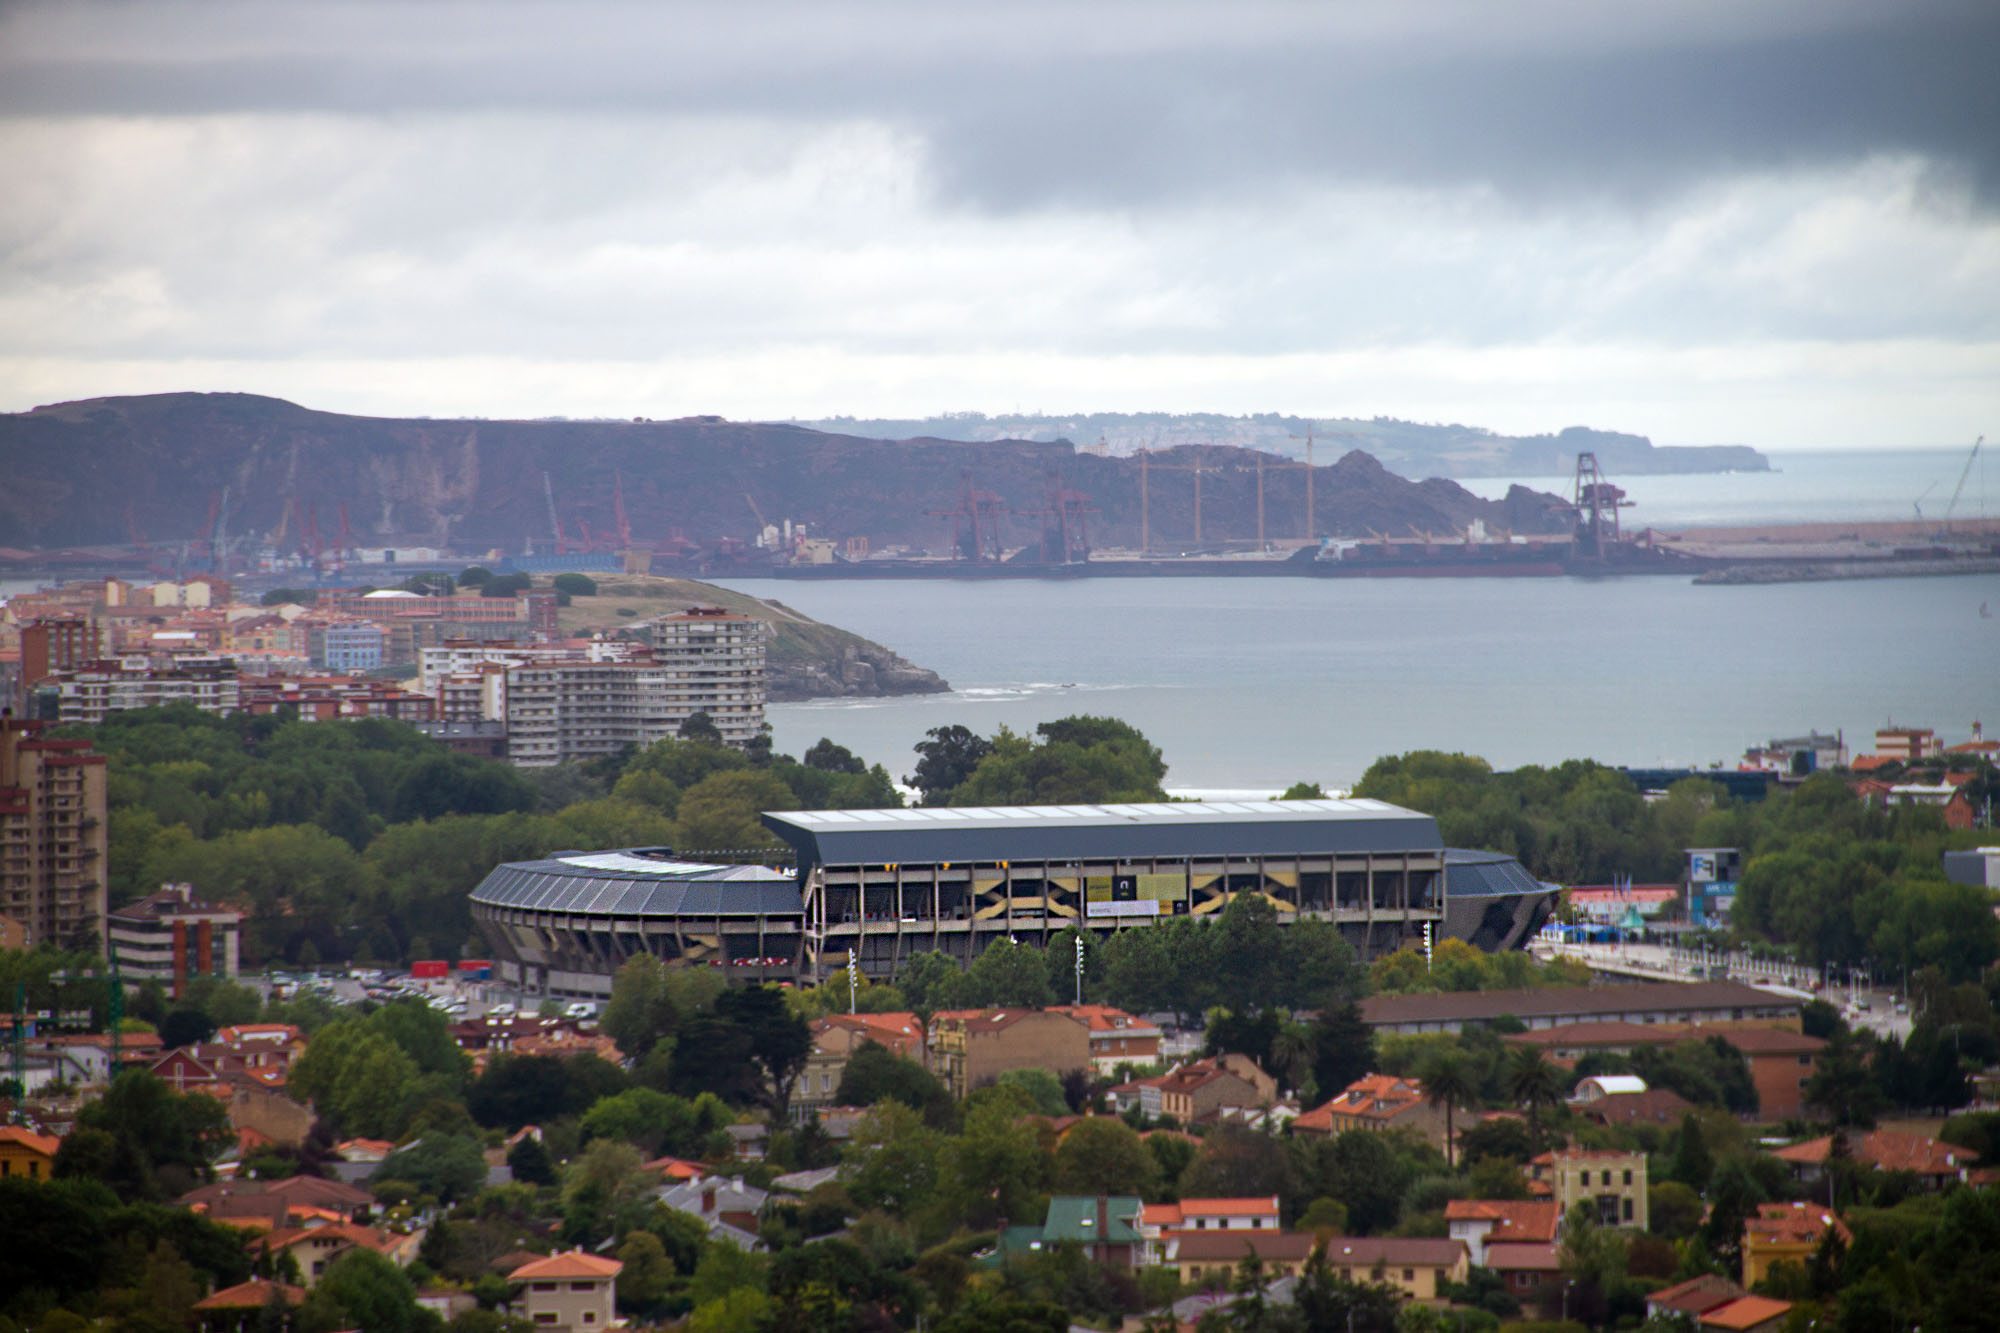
x=1965, y=472
x=1308, y=437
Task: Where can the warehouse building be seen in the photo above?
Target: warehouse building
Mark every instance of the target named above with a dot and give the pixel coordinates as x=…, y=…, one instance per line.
x=888, y=884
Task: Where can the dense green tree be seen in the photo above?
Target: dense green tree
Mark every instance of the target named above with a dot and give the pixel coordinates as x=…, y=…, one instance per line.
x=945, y=760
x=157, y=1143
x=1101, y=1155
x=450, y=1167
x=641, y=1011
x=721, y=812
x=1005, y=975
x=361, y=1289
x=874, y=1073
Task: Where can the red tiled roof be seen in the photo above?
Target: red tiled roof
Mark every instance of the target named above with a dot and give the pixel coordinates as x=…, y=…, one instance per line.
x=574, y=1263
x=1697, y=1294
x=1515, y=1219
x=1228, y=1207
x=45, y=1144
x=1745, y=1312
x=252, y=1295
x=1794, y=1223
x=1520, y=1256
x=1885, y=1150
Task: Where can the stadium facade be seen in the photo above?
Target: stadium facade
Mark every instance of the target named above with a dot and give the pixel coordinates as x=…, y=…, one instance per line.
x=887, y=884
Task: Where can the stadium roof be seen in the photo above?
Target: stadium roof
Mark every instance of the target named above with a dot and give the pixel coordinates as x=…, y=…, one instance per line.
x=639, y=881
x=1470, y=874
x=1103, y=832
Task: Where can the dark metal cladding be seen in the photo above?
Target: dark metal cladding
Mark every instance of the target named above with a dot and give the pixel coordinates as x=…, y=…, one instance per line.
x=1098, y=832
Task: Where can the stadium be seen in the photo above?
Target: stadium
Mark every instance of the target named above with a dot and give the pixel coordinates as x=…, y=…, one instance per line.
x=887, y=884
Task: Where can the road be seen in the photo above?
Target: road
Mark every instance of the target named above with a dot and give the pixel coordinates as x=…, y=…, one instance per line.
x=1664, y=963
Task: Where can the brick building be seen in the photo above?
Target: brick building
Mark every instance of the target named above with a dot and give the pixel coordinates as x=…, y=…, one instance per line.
x=970, y=1048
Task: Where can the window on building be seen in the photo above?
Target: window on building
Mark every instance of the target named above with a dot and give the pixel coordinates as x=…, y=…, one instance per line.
x=1628, y=1210
x=1409, y=1275
x=583, y=1286
x=1628, y=1175
x=546, y=1316
x=546, y=1286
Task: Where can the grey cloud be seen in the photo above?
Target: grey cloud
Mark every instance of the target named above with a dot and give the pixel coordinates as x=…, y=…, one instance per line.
x=1116, y=105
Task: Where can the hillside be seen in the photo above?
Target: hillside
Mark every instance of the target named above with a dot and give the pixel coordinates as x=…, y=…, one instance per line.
x=807, y=659
x=101, y=470
x=1405, y=447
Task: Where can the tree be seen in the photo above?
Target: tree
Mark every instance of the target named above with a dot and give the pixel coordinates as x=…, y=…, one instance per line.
x=529, y=1161
x=779, y=1041
x=640, y=1011
x=1673, y=1210
x=1238, y=1163
x=874, y=1073
x=648, y=1274
x=720, y=812
x=1102, y=1155
x=1007, y=975
x=947, y=759
x=576, y=585
x=1044, y=1089
x=1533, y=1083
x=447, y=1166
x=1448, y=1083
x=156, y=1143
x=1344, y=1048
x=827, y=757
x=700, y=728
x=362, y=1289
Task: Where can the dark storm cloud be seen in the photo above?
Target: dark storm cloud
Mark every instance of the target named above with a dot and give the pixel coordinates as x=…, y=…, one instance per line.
x=1120, y=106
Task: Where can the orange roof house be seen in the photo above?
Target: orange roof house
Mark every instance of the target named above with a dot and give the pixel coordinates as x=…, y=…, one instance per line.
x=1376, y=1101
x=1482, y=1223
x=1779, y=1232
x=26, y=1153
x=1885, y=1150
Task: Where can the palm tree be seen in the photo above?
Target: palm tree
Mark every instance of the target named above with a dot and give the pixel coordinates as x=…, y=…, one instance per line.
x=1292, y=1051
x=1534, y=1083
x=1447, y=1083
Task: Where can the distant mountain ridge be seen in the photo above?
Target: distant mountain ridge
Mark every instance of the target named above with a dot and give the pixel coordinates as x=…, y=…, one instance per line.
x=1408, y=448
x=100, y=471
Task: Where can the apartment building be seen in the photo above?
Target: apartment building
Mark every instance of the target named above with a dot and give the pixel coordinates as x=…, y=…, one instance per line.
x=562, y=712
x=94, y=691
x=53, y=840
x=172, y=936
x=702, y=661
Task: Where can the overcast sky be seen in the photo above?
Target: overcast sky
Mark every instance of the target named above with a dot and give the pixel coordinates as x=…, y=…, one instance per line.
x=1773, y=223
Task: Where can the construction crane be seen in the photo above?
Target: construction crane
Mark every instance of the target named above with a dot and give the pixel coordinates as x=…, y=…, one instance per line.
x=618, y=512
x=1308, y=437
x=1963, y=474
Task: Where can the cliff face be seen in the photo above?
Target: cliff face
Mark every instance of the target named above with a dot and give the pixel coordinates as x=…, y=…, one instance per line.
x=93, y=472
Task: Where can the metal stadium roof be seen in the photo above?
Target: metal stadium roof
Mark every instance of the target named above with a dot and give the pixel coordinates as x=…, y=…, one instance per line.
x=1073, y=832
x=639, y=881
x=1469, y=874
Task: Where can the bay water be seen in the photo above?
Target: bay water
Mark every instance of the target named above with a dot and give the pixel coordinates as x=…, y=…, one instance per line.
x=1248, y=685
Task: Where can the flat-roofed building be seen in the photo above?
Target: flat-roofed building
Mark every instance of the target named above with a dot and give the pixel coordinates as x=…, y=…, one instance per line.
x=171, y=937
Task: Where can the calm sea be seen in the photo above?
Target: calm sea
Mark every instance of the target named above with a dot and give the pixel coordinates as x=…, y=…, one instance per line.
x=1251, y=684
